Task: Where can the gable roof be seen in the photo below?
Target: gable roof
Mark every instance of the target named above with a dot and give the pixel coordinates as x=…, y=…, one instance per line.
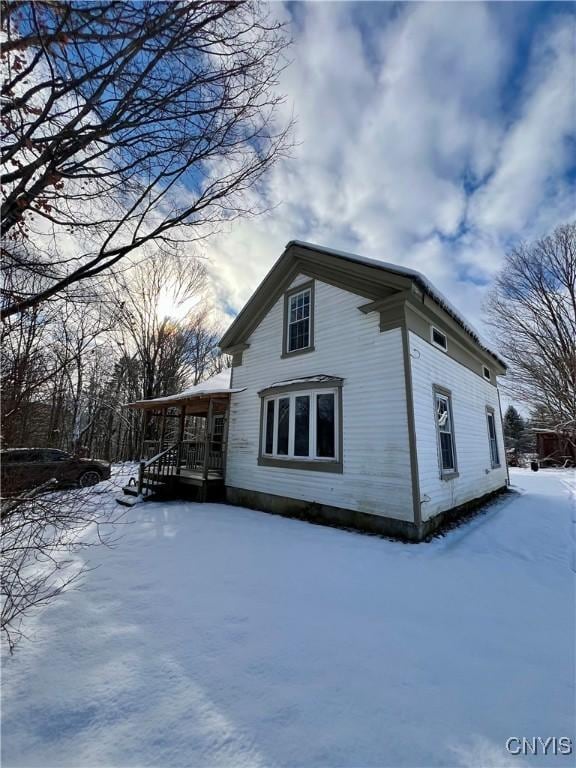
x=368, y=277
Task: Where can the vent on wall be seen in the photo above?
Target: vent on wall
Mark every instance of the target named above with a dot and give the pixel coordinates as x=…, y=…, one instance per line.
x=439, y=339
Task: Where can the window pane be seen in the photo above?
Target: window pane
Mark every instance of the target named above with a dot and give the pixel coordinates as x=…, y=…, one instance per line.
x=325, y=433
x=446, y=450
x=442, y=414
x=439, y=338
x=283, y=424
x=494, y=451
x=492, y=437
x=491, y=429
x=299, y=334
x=302, y=426
x=300, y=306
x=269, y=427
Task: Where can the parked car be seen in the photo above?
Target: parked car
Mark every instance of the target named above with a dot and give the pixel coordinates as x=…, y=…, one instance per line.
x=27, y=468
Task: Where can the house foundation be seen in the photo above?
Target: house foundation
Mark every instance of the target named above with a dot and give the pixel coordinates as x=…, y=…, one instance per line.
x=364, y=522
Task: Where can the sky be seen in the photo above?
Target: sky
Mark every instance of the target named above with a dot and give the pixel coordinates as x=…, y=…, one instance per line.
x=431, y=135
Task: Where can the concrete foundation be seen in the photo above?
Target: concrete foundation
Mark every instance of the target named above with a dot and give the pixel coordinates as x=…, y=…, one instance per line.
x=350, y=519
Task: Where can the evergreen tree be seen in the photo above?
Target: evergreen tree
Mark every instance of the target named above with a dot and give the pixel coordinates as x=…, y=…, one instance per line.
x=515, y=434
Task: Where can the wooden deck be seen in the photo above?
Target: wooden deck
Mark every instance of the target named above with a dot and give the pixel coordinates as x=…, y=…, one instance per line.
x=184, y=477
x=182, y=470
x=185, y=459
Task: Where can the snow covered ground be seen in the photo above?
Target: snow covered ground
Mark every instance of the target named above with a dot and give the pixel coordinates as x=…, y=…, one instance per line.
x=217, y=636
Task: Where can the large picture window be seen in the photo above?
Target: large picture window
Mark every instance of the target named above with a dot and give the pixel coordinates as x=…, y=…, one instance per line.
x=492, y=439
x=303, y=427
x=445, y=433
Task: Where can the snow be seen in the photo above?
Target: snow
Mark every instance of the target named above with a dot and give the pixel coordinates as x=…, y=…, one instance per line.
x=212, y=635
x=306, y=380
x=216, y=385
x=422, y=281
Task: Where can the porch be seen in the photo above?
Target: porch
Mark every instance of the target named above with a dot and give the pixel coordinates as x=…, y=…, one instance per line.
x=183, y=447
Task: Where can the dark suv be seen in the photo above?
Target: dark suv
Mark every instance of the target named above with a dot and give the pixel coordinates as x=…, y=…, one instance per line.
x=26, y=468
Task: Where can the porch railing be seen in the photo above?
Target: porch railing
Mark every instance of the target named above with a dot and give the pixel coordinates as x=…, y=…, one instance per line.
x=187, y=455
x=158, y=468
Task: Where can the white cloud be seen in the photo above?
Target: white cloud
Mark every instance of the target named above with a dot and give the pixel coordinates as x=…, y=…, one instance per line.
x=535, y=150
x=392, y=117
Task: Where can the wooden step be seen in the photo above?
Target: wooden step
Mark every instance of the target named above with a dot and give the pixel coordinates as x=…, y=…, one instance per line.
x=127, y=501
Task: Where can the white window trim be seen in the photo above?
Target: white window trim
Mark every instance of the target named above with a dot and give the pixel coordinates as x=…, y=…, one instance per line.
x=484, y=370
x=312, y=457
x=291, y=298
x=435, y=343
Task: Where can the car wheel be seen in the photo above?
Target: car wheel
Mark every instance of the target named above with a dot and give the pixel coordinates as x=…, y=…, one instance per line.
x=88, y=478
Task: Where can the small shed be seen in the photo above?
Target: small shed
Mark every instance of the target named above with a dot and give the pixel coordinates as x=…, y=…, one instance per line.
x=555, y=448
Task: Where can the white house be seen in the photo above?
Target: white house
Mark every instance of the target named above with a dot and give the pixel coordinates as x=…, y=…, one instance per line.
x=358, y=397
x=366, y=399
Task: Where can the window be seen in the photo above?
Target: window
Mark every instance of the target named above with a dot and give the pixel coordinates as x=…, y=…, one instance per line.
x=486, y=373
x=283, y=426
x=299, y=320
x=302, y=428
x=492, y=439
x=217, y=431
x=445, y=432
x=302, y=425
x=54, y=455
x=439, y=339
x=269, y=446
x=17, y=457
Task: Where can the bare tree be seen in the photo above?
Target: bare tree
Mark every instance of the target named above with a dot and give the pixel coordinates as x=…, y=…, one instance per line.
x=45, y=352
x=130, y=124
x=532, y=311
x=40, y=537
x=162, y=308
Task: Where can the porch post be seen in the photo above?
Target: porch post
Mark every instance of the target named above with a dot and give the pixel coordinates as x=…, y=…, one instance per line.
x=207, y=440
x=162, y=430
x=225, y=438
x=180, y=438
x=145, y=420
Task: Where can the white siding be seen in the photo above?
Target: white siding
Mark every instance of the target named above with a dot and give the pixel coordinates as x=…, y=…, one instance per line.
x=470, y=396
x=348, y=344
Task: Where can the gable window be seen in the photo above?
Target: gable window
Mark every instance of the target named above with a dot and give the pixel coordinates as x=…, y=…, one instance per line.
x=492, y=439
x=302, y=429
x=439, y=339
x=445, y=432
x=486, y=373
x=299, y=320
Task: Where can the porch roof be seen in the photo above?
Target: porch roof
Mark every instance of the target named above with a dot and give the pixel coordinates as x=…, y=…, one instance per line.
x=195, y=399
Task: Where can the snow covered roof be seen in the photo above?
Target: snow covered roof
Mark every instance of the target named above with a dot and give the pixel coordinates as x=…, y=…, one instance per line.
x=320, y=378
x=219, y=384
x=418, y=278
x=311, y=259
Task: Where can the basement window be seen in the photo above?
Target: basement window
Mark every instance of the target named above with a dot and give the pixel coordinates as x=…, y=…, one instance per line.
x=439, y=339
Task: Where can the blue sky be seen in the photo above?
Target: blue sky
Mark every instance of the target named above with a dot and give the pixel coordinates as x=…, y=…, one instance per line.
x=432, y=135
